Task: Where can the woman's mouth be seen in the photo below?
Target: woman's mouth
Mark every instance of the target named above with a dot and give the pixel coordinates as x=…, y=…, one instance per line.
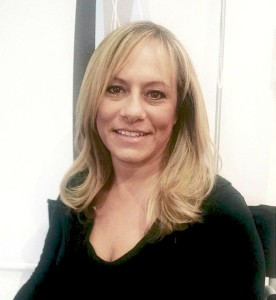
x=130, y=133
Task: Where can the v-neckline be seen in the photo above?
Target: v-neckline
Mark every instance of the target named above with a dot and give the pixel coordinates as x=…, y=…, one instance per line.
x=127, y=255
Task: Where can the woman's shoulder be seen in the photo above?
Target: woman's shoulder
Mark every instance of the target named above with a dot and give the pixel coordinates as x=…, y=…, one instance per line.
x=56, y=205
x=225, y=201
x=227, y=217
x=222, y=187
x=59, y=212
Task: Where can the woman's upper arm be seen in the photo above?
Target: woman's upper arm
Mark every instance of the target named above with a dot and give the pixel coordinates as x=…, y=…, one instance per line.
x=41, y=277
x=244, y=264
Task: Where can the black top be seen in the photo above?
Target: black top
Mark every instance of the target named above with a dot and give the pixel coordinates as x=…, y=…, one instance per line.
x=220, y=258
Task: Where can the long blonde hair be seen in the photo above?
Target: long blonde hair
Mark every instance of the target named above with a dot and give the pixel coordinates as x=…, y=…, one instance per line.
x=187, y=171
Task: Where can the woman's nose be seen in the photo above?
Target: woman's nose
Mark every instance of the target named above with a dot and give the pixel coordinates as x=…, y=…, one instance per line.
x=133, y=108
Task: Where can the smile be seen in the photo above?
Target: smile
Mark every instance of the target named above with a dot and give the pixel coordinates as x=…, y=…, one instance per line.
x=130, y=133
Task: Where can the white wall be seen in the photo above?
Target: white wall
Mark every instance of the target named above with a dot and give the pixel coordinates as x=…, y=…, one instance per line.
x=248, y=123
x=36, y=58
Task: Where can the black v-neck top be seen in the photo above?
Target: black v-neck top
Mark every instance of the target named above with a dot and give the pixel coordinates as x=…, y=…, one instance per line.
x=220, y=258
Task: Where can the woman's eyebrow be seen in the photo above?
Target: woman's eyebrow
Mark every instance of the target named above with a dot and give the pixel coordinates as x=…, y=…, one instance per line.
x=158, y=82
x=146, y=84
x=119, y=80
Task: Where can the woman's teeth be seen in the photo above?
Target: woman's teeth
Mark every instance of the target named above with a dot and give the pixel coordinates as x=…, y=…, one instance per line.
x=130, y=133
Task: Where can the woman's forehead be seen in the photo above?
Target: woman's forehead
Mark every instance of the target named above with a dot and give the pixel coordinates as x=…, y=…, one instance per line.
x=162, y=55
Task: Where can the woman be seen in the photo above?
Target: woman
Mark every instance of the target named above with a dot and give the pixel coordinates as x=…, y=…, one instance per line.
x=142, y=209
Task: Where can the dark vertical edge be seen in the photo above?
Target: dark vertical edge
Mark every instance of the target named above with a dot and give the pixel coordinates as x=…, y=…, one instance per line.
x=84, y=45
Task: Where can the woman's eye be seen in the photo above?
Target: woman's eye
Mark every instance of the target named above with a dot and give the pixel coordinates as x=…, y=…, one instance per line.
x=115, y=89
x=156, y=95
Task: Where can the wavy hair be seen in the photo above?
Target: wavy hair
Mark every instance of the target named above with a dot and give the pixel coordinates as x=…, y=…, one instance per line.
x=187, y=172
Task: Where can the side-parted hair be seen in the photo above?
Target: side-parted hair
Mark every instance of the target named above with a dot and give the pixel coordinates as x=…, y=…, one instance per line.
x=187, y=172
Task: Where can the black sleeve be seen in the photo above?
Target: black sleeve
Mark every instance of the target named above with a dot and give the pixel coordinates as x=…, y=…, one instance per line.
x=238, y=257
x=40, y=280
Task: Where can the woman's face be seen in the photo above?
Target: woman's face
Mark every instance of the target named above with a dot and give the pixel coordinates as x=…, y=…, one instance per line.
x=137, y=112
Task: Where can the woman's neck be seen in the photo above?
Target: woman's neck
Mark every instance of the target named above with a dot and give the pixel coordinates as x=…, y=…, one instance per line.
x=135, y=174
x=134, y=183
